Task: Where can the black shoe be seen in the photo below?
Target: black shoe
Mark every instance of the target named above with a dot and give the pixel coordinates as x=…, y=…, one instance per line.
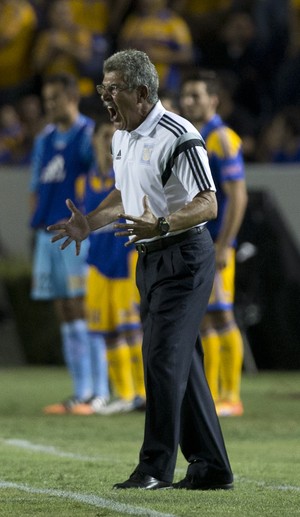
x=200, y=476
x=139, y=479
x=188, y=483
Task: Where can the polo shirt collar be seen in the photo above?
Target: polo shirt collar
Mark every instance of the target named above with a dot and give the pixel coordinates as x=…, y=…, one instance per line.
x=153, y=117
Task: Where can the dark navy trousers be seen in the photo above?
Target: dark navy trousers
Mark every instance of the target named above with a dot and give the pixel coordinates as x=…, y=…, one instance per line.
x=174, y=285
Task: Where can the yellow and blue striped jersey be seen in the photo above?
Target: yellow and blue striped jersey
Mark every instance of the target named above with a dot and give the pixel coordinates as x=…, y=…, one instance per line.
x=224, y=149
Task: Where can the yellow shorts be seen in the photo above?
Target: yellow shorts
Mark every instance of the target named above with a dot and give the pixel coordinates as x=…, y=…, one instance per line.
x=222, y=295
x=112, y=304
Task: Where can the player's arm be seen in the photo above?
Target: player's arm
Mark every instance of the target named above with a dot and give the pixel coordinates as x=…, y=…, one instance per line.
x=237, y=198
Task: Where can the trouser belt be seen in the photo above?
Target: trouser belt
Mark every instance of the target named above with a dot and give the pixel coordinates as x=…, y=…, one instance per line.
x=161, y=244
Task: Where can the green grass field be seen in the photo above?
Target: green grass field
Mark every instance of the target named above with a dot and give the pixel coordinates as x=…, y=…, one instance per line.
x=66, y=465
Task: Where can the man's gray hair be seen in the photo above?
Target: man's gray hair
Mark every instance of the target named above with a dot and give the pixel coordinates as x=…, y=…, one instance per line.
x=136, y=70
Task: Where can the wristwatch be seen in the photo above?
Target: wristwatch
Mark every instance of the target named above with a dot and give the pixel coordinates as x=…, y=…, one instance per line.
x=163, y=226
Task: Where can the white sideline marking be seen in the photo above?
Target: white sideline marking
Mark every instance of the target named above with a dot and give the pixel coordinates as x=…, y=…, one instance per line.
x=49, y=449
x=266, y=485
x=92, y=500
x=278, y=487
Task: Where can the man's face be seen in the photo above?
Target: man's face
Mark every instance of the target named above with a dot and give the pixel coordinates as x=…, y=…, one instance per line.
x=57, y=103
x=195, y=103
x=121, y=103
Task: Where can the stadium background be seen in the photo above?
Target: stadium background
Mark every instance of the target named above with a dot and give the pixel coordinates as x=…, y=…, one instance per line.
x=267, y=280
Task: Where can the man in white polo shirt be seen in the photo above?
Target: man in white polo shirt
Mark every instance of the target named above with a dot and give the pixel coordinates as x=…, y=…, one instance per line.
x=164, y=190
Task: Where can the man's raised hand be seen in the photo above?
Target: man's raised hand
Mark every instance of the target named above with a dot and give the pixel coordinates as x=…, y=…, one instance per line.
x=138, y=228
x=75, y=229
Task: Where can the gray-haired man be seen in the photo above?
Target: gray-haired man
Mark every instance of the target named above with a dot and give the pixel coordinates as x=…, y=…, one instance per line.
x=164, y=189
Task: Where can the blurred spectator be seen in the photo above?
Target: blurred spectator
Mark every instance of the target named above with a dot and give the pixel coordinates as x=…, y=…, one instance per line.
x=93, y=16
x=40, y=7
x=99, y=19
x=204, y=19
x=237, y=117
x=11, y=135
x=286, y=84
x=163, y=35
x=237, y=50
x=103, y=23
x=33, y=120
x=63, y=46
x=274, y=27
x=17, y=29
x=273, y=23
x=280, y=139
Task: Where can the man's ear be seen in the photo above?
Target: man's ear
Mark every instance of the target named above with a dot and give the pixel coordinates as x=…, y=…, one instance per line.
x=142, y=92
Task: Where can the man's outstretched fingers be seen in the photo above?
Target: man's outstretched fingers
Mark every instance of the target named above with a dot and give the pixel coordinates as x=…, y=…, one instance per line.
x=57, y=237
x=73, y=208
x=78, y=247
x=66, y=243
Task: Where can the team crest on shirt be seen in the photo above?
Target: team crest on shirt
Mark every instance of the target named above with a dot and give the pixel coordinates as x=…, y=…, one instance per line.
x=146, y=154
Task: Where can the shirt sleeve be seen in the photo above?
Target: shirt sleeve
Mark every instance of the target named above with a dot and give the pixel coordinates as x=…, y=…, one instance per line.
x=189, y=162
x=225, y=148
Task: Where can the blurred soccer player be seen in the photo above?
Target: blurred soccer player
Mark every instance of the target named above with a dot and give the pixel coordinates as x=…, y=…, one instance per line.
x=111, y=295
x=221, y=338
x=62, y=153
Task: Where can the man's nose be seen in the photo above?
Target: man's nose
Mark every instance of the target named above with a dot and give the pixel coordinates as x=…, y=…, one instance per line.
x=106, y=95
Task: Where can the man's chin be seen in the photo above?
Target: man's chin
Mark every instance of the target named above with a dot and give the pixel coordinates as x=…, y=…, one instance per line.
x=119, y=125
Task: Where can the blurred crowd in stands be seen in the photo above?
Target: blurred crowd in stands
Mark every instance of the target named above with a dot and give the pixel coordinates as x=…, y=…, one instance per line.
x=253, y=44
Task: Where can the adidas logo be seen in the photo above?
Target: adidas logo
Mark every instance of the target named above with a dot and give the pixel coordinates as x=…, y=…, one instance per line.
x=118, y=157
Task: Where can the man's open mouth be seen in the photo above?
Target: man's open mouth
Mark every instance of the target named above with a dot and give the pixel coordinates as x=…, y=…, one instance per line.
x=112, y=113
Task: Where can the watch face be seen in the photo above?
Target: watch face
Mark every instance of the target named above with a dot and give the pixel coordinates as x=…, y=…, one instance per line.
x=163, y=226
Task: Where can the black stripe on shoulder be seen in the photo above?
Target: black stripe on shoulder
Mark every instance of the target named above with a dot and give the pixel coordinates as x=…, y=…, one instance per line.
x=198, y=170
x=175, y=123
x=168, y=123
x=161, y=123
x=184, y=147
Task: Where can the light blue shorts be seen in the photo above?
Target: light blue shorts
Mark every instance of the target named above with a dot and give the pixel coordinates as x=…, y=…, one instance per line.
x=57, y=273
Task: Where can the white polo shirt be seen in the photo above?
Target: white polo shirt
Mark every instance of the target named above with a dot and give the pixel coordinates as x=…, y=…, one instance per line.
x=164, y=158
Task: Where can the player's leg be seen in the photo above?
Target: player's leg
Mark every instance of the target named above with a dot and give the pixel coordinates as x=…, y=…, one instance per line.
x=105, y=314
x=99, y=366
x=211, y=348
x=99, y=374
x=134, y=340
x=68, y=281
x=132, y=326
x=96, y=307
x=123, y=340
x=96, y=298
x=222, y=344
x=231, y=363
